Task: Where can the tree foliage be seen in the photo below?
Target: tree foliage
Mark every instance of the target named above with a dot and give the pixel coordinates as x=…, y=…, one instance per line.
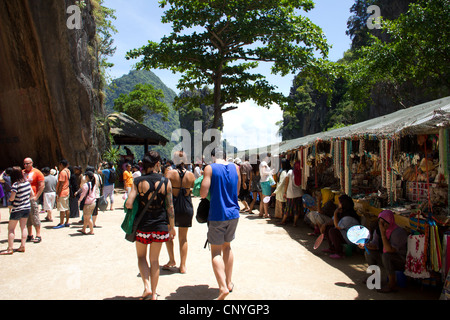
x=143, y=99
x=218, y=43
x=418, y=51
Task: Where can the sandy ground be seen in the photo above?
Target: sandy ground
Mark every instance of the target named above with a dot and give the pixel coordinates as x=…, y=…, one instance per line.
x=271, y=263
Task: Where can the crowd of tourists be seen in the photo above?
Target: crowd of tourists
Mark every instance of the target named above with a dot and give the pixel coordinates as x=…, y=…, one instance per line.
x=161, y=191
x=30, y=191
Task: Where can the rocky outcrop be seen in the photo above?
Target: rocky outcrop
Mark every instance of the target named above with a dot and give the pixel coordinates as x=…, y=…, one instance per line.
x=49, y=83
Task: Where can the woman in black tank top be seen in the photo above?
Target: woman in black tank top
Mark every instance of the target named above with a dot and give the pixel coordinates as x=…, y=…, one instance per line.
x=156, y=224
x=182, y=183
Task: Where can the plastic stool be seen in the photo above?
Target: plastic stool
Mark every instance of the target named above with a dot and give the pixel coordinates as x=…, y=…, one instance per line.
x=348, y=249
x=401, y=279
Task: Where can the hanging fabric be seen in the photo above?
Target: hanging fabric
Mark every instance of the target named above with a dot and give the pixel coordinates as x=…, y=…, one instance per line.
x=347, y=167
x=415, y=266
x=445, y=254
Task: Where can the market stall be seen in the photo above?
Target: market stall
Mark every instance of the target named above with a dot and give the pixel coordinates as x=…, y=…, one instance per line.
x=398, y=162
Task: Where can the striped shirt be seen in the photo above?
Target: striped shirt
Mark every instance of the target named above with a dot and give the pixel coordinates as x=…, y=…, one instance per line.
x=22, y=199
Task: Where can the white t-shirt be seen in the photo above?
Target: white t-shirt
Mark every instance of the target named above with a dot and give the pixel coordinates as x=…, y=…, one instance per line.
x=293, y=191
x=264, y=171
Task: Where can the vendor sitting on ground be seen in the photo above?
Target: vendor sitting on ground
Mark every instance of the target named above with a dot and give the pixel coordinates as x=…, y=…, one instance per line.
x=344, y=218
x=323, y=211
x=387, y=248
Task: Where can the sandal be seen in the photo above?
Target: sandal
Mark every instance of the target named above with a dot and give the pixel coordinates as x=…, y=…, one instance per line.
x=30, y=238
x=21, y=249
x=37, y=239
x=7, y=252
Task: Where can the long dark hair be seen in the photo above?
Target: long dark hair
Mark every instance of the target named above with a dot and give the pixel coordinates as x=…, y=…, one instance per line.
x=91, y=177
x=17, y=175
x=348, y=207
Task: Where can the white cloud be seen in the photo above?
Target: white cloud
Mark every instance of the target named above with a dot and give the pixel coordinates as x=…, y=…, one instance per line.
x=252, y=126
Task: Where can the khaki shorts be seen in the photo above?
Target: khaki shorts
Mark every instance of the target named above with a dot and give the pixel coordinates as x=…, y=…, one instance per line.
x=63, y=204
x=33, y=218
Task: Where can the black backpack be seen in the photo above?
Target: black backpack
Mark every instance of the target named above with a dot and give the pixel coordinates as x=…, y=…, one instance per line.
x=112, y=176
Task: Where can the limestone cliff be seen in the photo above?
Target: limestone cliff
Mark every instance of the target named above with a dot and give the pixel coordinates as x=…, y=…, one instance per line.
x=49, y=84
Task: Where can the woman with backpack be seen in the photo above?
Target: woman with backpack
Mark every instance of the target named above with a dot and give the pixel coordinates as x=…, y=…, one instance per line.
x=293, y=194
x=182, y=181
x=87, y=202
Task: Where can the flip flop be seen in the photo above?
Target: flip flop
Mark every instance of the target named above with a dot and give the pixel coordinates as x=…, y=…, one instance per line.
x=7, y=252
x=168, y=267
x=83, y=232
x=147, y=296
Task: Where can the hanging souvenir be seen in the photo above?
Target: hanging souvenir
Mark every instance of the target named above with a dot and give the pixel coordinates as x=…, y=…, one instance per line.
x=415, y=266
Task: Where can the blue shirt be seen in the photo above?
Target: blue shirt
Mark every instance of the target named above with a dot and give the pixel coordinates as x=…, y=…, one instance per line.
x=224, y=197
x=106, y=173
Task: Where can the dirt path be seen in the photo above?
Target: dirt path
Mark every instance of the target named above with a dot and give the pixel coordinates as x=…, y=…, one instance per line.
x=271, y=263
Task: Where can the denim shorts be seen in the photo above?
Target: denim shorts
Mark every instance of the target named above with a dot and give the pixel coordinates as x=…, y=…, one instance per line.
x=17, y=215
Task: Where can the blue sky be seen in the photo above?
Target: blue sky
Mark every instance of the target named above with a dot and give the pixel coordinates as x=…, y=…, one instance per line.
x=140, y=20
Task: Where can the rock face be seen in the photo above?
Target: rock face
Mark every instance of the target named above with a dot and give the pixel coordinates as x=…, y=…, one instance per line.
x=49, y=84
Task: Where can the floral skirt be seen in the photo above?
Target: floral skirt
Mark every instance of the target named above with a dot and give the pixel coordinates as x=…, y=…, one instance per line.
x=152, y=236
x=293, y=207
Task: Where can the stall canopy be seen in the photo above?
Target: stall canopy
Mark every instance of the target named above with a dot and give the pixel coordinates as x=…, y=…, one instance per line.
x=127, y=131
x=426, y=118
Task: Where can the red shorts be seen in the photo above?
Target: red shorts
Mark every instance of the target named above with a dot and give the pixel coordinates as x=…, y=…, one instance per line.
x=152, y=236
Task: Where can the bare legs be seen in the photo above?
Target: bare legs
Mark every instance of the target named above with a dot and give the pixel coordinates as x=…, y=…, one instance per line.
x=222, y=263
x=12, y=224
x=182, y=239
x=149, y=274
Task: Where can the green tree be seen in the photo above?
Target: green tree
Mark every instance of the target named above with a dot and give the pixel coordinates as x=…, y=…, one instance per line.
x=417, y=51
x=143, y=99
x=227, y=39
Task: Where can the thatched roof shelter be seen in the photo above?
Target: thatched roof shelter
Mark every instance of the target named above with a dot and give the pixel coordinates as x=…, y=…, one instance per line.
x=127, y=131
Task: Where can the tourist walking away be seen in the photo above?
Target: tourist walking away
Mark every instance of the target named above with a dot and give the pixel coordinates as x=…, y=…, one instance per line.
x=49, y=193
x=244, y=191
x=293, y=194
x=155, y=221
x=21, y=194
x=98, y=192
x=222, y=181
x=266, y=187
x=281, y=187
x=127, y=180
x=36, y=179
x=182, y=182
x=62, y=194
x=255, y=188
x=87, y=202
x=387, y=248
x=110, y=176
